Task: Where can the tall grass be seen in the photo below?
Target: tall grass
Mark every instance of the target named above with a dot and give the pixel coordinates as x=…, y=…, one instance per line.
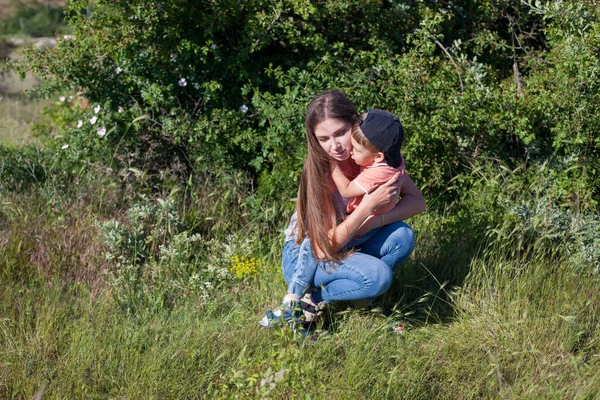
x=501, y=344
x=483, y=322
x=17, y=113
x=19, y=110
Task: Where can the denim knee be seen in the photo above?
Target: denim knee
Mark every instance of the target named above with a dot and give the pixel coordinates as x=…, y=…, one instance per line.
x=402, y=242
x=382, y=281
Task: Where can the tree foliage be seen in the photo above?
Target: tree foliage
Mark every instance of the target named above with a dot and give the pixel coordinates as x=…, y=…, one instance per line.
x=182, y=85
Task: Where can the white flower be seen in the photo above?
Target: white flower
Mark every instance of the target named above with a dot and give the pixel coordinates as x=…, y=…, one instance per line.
x=79, y=124
x=182, y=82
x=173, y=56
x=68, y=37
x=118, y=70
x=62, y=99
x=70, y=99
x=65, y=146
x=101, y=131
x=213, y=46
x=93, y=120
x=97, y=109
x=244, y=108
x=120, y=109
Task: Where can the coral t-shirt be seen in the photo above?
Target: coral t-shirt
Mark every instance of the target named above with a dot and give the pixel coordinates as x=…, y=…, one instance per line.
x=369, y=179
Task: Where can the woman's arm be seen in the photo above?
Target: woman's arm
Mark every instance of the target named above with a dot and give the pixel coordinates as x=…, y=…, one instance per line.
x=411, y=203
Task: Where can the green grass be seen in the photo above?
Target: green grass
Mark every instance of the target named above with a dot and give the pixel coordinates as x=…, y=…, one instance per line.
x=501, y=344
x=17, y=110
x=505, y=327
x=16, y=116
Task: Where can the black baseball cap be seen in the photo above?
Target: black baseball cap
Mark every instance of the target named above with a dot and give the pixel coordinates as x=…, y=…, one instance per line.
x=384, y=131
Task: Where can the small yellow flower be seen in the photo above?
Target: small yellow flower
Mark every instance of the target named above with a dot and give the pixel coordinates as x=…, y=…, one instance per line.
x=243, y=266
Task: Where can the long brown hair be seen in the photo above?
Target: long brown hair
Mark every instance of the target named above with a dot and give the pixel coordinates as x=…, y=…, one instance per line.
x=316, y=210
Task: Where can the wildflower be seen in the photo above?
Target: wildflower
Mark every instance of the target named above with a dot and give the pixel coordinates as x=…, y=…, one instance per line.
x=79, y=124
x=70, y=99
x=65, y=146
x=182, y=82
x=173, y=56
x=244, y=108
x=101, y=131
x=93, y=119
x=243, y=266
x=213, y=46
x=68, y=37
x=97, y=109
x=62, y=99
x=120, y=109
x=118, y=70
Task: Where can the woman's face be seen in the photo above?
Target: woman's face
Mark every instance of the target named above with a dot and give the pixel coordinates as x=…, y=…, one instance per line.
x=334, y=137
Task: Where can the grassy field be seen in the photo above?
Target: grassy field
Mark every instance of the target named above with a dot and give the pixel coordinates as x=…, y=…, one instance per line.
x=106, y=293
x=131, y=268
x=17, y=110
x=103, y=296
x=17, y=113
x=73, y=324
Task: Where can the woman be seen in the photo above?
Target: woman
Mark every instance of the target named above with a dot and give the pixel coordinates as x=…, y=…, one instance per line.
x=320, y=233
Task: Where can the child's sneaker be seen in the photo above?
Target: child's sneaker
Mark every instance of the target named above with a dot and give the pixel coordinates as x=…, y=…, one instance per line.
x=288, y=313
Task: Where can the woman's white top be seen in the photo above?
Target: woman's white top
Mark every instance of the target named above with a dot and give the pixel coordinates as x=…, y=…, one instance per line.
x=292, y=228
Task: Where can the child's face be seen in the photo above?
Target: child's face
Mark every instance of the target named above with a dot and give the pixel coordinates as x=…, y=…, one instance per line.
x=361, y=155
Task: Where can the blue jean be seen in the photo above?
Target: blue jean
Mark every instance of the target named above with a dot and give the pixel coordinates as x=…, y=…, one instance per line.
x=365, y=274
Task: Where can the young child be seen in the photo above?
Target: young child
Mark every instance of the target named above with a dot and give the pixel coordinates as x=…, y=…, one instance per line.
x=376, y=142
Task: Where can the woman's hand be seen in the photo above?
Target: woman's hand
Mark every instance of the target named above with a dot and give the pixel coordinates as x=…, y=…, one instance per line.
x=411, y=203
x=386, y=193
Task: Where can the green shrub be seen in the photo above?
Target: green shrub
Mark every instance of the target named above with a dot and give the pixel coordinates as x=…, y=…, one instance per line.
x=158, y=256
x=20, y=168
x=182, y=85
x=525, y=215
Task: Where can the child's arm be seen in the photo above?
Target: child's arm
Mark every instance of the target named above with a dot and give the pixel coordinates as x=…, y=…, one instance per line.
x=344, y=185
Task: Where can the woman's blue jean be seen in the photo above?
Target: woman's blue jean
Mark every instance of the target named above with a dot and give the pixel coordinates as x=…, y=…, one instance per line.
x=365, y=274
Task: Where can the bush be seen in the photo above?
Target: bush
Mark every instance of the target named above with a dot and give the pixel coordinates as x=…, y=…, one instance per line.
x=228, y=84
x=20, y=168
x=525, y=216
x=157, y=260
